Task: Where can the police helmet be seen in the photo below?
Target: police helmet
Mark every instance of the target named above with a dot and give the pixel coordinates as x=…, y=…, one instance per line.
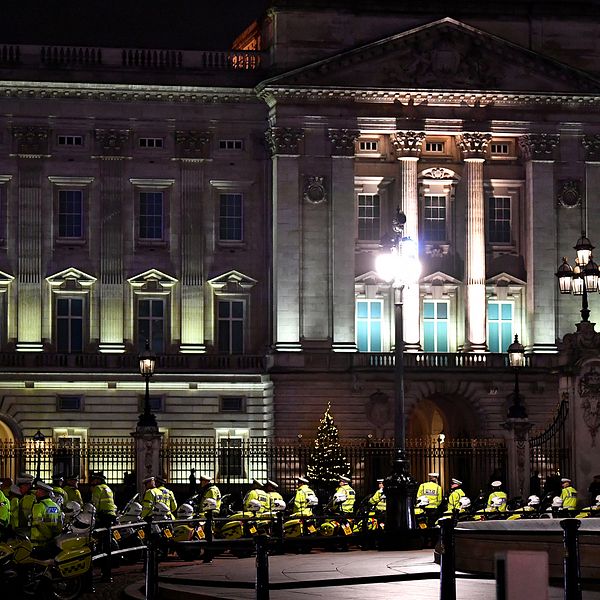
x=422, y=501
x=279, y=505
x=497, y=502
x=211, y=504
x=134, y=509
x=253, y=505
x=465, y=502
x=71, y=509
x=533, y=500
x=598, y=500
x=312, y=500
x=160, y=510
x=557, y=502
x=185, y=511
x=339, y=497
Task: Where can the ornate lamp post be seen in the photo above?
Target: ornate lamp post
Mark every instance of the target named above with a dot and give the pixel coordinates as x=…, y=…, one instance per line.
x=400, y=266
x=39, y=438
x=516, y=359
x=147, y=362
x=582, y=278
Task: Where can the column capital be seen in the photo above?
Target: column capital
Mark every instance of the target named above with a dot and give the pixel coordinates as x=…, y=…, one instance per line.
x=31, y=141
x=192, y=144
x=474, y=145
x=407, y=144
x=342, y=141
x=111, y=142
x=591, y=143
x=538, y=146
x=284, y=140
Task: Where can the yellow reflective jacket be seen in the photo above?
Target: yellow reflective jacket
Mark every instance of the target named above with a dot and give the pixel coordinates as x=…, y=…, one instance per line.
x=433, y=491
x=102, y=499
x=301, y=505
x=259, y=495
x=46, y=522
x=4, y=510
x=347, y=506
x=378, y=500
x=73, y=495
x=168, y=497
x=454, y=499
x=501, y=495
x=569, y=497
x=151, y=497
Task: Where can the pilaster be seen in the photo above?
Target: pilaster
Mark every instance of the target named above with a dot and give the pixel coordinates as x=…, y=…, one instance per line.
x=147, y=455
x=518, y=452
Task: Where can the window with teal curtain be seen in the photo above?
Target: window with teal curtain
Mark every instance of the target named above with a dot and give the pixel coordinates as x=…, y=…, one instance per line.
x=500, y=325
x=369, y=316
x=435, y=326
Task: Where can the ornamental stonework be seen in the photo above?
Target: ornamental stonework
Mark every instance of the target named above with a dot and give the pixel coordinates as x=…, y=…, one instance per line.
x=112, y=142
x=589, y=394
x=591, y=143
x=474, y=145
x=284, y=140
x=538, y=146
x=314, y=190
x=192, y=144
x=569, y=193
x=407, y=143
x=342, y=141
x=31, y=140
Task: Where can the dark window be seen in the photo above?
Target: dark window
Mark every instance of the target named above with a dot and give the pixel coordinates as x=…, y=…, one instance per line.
x=147, y=142
x=230, y=458
x=68, y=403
x=230, y=217
x=70, y=214
x=70, y=140
x=437, y=147
x=151, y=324
x=157, y=403
x=230, y=326
x=369, y=217
x=232, y=404
x=499, y=230
x=230, y=144
x=151, y=215
x=434, y=219
x=69, y=325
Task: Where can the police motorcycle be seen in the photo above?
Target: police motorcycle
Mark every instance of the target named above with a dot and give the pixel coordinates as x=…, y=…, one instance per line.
x=192, y=531
x=61, y=572
x=161, y=528
x=590, y=511
x=336, y=523
x=530, y=511
x=494, y=512
x=368, y=522
x=128, y=537
x=245, y=524
x=302, y=523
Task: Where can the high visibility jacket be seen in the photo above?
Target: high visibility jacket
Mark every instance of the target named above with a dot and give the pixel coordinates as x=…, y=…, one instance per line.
x=46, y=522
x=454, y=499
x=378, y=501
x=569, y=497
x=61, y=495
x=73, y=494
x=168, y=497
x=4, y=510
x=103, y=500
x=433, y=491
x=21, y=511
x=347, y=506
x=501, y=495
x=259, y=495
x=151, y=497
x=301, y=501
x=272, y=496
x=208, y=491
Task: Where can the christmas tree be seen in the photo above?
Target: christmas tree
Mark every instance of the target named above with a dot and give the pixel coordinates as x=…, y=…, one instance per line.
x=327, y=460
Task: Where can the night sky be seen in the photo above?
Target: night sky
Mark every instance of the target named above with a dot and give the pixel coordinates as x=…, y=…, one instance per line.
x=183, y=24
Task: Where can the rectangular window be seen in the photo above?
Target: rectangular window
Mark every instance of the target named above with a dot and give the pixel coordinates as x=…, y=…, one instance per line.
x=150, y=142
x=70, y=140
x=69, y=403
x=230, y=326
x=231, y=404
x=434, y=219
x=70, y=214
x=369, y=217
x=157, y=403
x=368, y=145
x=69, y=325
x=231, y=462
x=437, y=147
x=499, y=230
x=151, y=324
x=231, y=145
x=369, y=319
x=500, y=325
x=151, y=215
x=500, y=149
x=435, y=326
x=230, y=217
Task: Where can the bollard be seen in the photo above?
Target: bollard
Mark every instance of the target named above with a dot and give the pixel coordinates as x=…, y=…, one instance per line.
x=447, y=562
x=571, y=570
x=151, y=565
x=262, y=567
x=105, y=564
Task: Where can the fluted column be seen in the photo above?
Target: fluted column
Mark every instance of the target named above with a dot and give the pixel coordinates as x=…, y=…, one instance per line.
x=473, y=146
x=111, y=147
x=541, y=259
x=407, y=145
x=284, y=144
x=31, y=145
x=192, y=150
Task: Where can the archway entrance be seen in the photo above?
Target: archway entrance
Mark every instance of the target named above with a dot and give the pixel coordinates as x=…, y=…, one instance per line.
x=8, y=456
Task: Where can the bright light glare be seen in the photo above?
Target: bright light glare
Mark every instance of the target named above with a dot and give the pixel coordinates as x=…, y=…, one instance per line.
x=400, y=267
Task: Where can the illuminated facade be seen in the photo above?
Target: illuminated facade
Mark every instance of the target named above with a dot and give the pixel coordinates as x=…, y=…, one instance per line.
x=228, y=207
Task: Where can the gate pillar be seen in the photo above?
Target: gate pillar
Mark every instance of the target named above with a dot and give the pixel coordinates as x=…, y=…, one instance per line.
x=517, y=451
x=147, y=455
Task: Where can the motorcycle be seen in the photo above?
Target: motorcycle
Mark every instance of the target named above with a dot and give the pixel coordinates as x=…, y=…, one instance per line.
x=127, y=537
x=190, y=532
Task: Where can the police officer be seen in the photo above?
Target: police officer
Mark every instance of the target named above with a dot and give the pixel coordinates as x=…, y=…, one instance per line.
x=168, y=497
x=21, y=509
x=72, y=490
x=60, y=496
x=208, y=489
x=152, y=496
x=4, y=513
x=274, y=498
x=456, y=493
x=377, y=501
x=568, y=494
x=256, y=493
x=304, y=499
x=432, y=489
x=344, y=496
x=103, y=500
x=497, y=492
x=46, y=518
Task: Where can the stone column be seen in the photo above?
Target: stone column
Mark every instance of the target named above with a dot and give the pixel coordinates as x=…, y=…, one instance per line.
x=343, y=223
x=591, y=143
x=284, y=144
x=147, y=454
x=473, y=147
x=31, y=145
x=518, y=467
x=111, y=147
x=407, y=145
x=192, y=151
x=541, y=260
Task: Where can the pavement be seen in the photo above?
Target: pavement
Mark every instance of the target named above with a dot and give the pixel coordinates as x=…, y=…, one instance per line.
x=353, y=575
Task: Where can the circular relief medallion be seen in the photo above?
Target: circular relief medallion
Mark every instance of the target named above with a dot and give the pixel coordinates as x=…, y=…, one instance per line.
x=569, y=195
x=314, y=190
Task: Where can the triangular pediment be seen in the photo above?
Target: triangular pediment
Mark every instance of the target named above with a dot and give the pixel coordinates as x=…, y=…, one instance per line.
x=152, y=280
x=232, y=281
x=446, y=54
x=369, y=278
x=504, y=280
x=440, y=278
x=71, y=278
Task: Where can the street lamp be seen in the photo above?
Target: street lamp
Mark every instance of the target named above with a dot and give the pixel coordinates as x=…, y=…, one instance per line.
x=582, y=278
x=147, y=362
x=400, y=266
x=516, y=359
x=38, y=438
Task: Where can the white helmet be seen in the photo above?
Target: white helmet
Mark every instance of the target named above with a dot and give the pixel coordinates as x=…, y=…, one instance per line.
x=557, y=502
x=533, y=500
x=465, y=502
x=497, y=502
x=134, y=509
x=185, y=511
x=339, y=497
x=58, y=498
x=422, y=501
x=71, y=509
x=88, y=507
x=312, y=500
x=254, y=505
x=598, y=500
x=211, y=504
x=83, y=522
x=279, y=505
x=160, y=510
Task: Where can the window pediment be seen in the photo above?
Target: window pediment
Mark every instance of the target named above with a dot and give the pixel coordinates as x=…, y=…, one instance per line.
x=152, y=281
x=232, y=281
x=505, y=280
x=440, y=278
x=71, y=279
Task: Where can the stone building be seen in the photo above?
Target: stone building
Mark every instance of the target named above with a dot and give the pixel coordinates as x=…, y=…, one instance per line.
x=228, y=207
